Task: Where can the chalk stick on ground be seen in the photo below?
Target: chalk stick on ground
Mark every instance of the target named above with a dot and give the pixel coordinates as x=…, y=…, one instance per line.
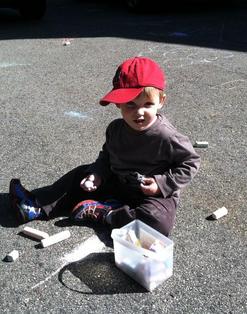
x=66, y=42
x=34, y=233
x=219, y=213
x=201, y=144
x=12, y=256
x=55, y=238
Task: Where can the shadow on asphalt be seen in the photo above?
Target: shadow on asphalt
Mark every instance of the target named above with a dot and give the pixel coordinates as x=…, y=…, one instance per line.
x=220, y=26
x=97, y=274
x=103, y=233
x=7, y=217
x=8, y=220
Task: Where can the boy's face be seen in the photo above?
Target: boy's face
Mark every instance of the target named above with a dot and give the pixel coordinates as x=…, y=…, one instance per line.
x=140, y=113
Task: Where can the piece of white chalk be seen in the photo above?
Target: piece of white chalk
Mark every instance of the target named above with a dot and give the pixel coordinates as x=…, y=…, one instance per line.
x=55, y=238
x=131, y=236
x=34, y=233
x=219, y=213
x=12, y=256
x=201, y=144
x=88, y=184
x=66, y=42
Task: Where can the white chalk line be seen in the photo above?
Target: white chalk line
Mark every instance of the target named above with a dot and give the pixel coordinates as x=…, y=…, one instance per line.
x=48, y=278
x=80, y=115
x=76, y=114
x=227, y=83
x=91, y=245
x=180, y=57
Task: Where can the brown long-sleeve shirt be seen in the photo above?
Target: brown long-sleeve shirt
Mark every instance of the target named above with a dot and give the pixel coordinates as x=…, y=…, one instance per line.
x=160, y=152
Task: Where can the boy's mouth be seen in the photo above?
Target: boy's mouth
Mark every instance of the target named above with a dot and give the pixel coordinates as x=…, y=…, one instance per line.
x=139, y=121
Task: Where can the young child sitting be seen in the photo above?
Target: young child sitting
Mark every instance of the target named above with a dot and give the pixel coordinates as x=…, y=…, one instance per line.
x=140, y=171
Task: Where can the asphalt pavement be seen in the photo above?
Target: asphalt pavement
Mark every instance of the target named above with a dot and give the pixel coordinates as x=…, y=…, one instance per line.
x=50, y=122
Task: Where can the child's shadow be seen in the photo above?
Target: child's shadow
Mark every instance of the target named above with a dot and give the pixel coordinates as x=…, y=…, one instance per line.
x=7, y=216
x=103, y=232
x=97, y=274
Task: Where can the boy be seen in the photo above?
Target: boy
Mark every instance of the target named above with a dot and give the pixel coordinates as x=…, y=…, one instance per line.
x=140, y=171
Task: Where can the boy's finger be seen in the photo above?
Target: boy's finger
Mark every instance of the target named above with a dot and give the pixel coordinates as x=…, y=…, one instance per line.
x=146, y=190
x=145, y=187
x=82, y=181
x=91, y=177
x=147, y=180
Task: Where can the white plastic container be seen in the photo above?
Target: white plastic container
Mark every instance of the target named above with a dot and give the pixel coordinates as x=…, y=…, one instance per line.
x=148, y=268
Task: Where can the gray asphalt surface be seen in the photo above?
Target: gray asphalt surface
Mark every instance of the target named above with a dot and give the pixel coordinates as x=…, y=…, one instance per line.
x=51, y=122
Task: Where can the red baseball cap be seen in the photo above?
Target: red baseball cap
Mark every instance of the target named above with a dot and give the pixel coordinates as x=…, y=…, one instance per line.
x=130, y=79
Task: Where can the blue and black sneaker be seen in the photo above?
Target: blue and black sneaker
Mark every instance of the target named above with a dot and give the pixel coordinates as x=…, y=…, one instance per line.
x=23, y=202
x=93, y=210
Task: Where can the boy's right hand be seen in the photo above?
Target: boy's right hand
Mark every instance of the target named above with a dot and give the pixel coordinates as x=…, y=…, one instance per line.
x=91, y=182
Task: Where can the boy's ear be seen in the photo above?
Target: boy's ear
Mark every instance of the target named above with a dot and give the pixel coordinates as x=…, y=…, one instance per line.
x=162, y=100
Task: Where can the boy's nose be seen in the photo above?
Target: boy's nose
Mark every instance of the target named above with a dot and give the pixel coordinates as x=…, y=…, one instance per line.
x=140, y=111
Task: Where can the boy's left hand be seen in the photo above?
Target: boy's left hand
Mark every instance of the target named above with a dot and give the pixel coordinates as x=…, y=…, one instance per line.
x=150, y=187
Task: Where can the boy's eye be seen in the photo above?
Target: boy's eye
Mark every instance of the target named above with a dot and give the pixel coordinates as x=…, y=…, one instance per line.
x=131, y=105
x=148, y=104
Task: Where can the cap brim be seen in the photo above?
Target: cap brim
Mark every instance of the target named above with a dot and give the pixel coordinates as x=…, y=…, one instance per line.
x=120, y=96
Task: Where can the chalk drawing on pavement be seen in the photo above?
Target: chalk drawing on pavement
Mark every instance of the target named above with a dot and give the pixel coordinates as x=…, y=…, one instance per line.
x=76, y=114
x=182, y=56
x=8, y=65
x=231, y=84
x=91, y=245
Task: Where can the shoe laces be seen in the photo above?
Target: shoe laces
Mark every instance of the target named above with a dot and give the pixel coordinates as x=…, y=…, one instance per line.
x=93, y=212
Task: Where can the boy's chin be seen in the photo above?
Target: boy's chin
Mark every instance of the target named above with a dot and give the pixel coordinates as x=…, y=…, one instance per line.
x=139, y=127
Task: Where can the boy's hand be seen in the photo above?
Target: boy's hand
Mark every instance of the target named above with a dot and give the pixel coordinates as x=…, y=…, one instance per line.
x=91, y=182
x=150, y=187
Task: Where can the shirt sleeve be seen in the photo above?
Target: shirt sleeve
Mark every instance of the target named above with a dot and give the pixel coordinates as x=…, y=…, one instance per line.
x=102, y=164
x=184, y=164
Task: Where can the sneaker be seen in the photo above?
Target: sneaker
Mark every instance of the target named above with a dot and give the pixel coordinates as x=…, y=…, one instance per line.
x=23, y=202
x=93, y=210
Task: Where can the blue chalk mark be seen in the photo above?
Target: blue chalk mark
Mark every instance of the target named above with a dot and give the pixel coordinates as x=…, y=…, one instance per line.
x=8, y=65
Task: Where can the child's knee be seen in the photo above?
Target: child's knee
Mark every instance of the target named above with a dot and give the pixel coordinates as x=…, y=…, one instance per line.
x=158, y=215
